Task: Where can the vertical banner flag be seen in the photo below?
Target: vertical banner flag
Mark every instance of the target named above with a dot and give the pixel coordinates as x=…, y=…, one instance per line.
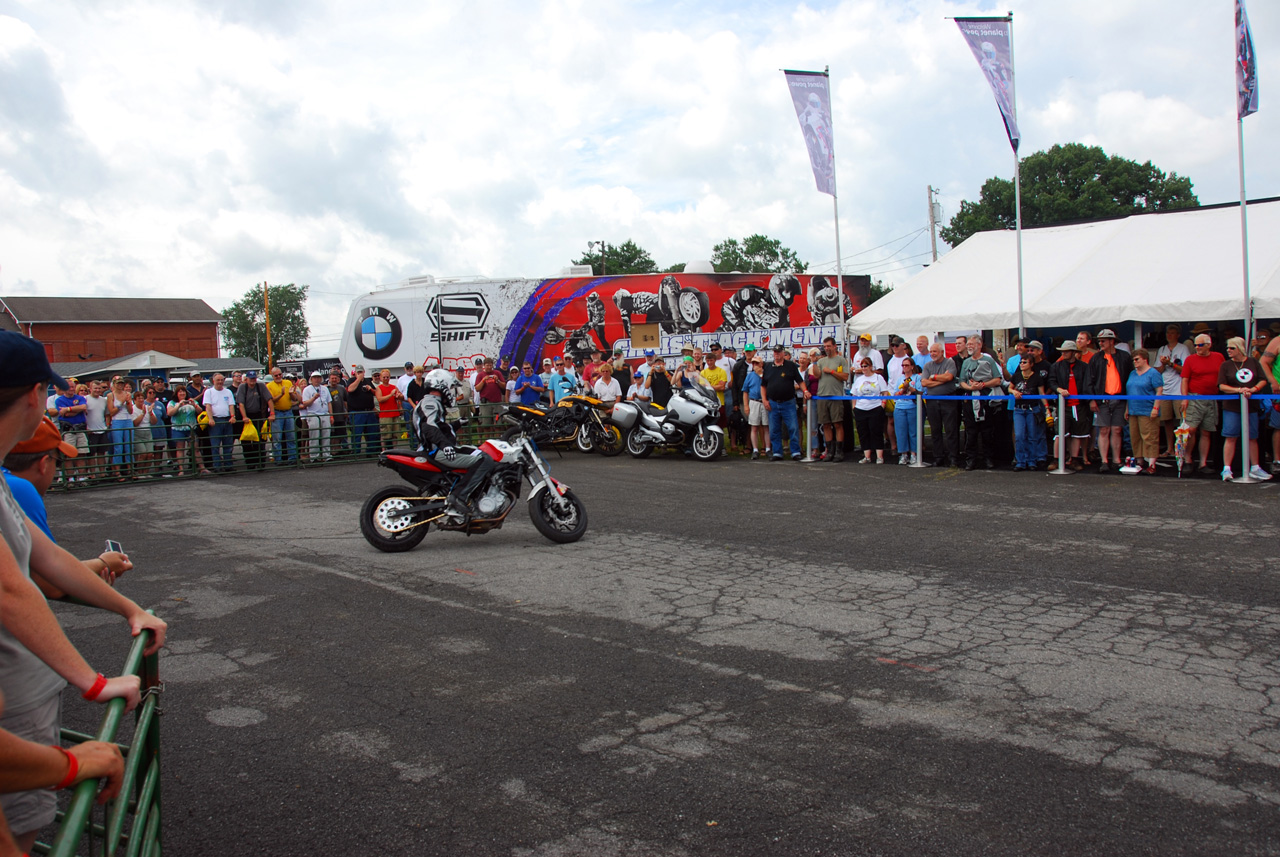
x=1246, y=65
x=812, y=100
x=988, y=38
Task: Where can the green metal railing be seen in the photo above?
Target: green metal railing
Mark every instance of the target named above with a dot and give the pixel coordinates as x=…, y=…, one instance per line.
x=132, y=820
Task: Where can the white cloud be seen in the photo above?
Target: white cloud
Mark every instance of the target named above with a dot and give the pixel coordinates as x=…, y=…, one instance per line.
x=195, y=148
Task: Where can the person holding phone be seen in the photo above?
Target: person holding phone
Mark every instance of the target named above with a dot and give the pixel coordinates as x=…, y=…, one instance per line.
x=360, y=409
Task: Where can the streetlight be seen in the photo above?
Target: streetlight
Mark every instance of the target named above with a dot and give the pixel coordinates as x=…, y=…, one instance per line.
x=603, y=248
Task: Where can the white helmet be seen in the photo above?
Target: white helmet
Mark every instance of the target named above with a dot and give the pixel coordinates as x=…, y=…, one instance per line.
x=442, y=382
x=783, y=289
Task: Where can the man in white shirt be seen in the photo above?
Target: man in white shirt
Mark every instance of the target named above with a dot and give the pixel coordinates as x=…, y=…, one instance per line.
x=95, y=420
x=220, y=405
x=317, y=413
x=638, y=393
x=718, y=357
x=865, y=350
x=649, y=356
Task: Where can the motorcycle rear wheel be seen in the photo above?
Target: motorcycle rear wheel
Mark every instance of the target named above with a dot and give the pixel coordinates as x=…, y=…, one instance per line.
x=559, y=526
x=636, y=446
x=381, y=525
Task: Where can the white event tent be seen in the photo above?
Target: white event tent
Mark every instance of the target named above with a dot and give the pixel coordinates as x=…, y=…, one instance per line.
x=1158, y=267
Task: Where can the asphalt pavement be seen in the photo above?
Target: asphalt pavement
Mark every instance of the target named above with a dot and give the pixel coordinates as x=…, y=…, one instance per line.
x=740, y=658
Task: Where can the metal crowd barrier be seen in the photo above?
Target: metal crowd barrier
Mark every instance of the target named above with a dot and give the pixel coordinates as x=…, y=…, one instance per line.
x=1061, y=398
x=132, y=820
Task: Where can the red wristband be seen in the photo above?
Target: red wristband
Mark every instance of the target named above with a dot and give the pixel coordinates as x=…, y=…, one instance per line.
x=98, y=684
x=72, y=769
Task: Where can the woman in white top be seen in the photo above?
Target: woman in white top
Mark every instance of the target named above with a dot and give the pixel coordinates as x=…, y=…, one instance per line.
x=606, y=389
x=868, y=414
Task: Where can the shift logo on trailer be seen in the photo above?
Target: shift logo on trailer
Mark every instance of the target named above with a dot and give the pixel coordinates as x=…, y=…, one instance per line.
x=468, y=311
x=458, y=317
x=378, y=334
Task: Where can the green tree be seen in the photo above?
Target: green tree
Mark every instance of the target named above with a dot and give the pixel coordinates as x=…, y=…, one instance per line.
x=624, y=258
x=244, y=331
x=876, y=291
x=756, y=254
x=1071, y=182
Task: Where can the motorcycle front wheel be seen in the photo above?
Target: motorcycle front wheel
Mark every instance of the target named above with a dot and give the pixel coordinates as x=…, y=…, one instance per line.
x=583, y=440
x=707, y=445
x=384, y=525
x=637, y=446
x=559, y=525
x=608, y=440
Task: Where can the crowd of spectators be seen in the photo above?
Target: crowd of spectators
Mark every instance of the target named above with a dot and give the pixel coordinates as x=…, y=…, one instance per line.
x=981, y=406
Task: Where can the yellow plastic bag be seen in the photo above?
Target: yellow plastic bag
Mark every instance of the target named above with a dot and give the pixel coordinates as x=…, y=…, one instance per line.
x=250, y=432
x=203, y=419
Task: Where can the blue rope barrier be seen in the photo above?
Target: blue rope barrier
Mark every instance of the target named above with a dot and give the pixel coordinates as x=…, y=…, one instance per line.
x=1003, y=397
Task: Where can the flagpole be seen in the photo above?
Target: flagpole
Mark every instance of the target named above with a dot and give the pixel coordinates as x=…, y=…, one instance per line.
x=835, y=210
x=1017, y=183
x=1244, y=238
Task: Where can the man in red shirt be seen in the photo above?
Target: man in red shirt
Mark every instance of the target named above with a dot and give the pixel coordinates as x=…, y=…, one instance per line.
x=1200, y=378
x=491, y=390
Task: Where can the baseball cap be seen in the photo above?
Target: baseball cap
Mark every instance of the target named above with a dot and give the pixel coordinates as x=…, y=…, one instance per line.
x=46, y=439
x=716, y=345
x=638, y=375
x=749, y=347
x=1106, y=333
x=617, y=351
x=1035, y=343
x=315, y=373
x=649, y=352
x=864, y=337
x=408, y=364
x=25, y=362
x=253, y=373
x=357, y=367
x=779, y=347
x=196, y=373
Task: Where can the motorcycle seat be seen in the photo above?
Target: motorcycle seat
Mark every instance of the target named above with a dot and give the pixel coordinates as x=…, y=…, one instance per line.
x=652, y=409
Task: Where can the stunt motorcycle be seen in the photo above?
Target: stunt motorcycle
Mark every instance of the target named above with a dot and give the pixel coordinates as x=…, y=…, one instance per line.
x=576, y=418
x=688, y=421
x=396, y=518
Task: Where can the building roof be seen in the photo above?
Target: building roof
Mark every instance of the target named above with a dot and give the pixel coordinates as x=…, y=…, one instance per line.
x=37, y=309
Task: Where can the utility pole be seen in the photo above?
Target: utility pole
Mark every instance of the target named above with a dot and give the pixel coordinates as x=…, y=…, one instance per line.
x=933, y=222
x=266, y=306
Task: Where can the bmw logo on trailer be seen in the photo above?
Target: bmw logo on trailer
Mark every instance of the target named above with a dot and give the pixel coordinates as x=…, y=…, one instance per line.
x=378, y=333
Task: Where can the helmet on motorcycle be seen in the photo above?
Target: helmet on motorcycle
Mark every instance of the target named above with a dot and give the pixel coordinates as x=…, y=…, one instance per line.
x=783, y=289
x=441, y=382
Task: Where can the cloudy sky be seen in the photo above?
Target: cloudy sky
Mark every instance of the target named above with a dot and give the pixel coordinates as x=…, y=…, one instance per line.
x=192, y=149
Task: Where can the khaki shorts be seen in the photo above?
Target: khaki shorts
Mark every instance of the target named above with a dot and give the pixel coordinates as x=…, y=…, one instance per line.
x=756, y=414
x=1202, y=414
x=28, y=811
x=1144, y=436
x=830, y=412
x=1167, y=411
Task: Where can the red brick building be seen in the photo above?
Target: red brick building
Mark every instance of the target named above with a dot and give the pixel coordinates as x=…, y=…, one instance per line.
x=94, y=329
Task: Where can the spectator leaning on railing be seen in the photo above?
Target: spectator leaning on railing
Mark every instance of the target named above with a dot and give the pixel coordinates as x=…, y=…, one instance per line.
x=36, y=659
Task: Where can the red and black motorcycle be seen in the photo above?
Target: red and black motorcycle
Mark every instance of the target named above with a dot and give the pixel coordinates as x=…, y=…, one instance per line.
x=396, y=519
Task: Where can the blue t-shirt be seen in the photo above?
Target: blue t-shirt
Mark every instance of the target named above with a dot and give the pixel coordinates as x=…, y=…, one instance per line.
x=71, y=402
x=532, y=395
x=1149, y=383
x=1014, y=362
x=560, y=385
x=921, y=359
x=29, y=500
x=751, y=386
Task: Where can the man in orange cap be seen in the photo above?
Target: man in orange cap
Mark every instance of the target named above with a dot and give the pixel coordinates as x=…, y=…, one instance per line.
x=29, y=469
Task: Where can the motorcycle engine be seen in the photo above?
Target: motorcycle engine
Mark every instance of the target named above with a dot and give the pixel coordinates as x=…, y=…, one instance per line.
x=493, y=501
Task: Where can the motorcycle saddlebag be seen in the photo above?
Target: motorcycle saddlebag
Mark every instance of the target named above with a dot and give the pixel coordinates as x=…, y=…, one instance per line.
x=624, y=415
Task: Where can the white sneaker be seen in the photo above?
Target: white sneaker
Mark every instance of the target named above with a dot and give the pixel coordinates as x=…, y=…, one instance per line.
x=1258, y=473
x=1226, y=475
